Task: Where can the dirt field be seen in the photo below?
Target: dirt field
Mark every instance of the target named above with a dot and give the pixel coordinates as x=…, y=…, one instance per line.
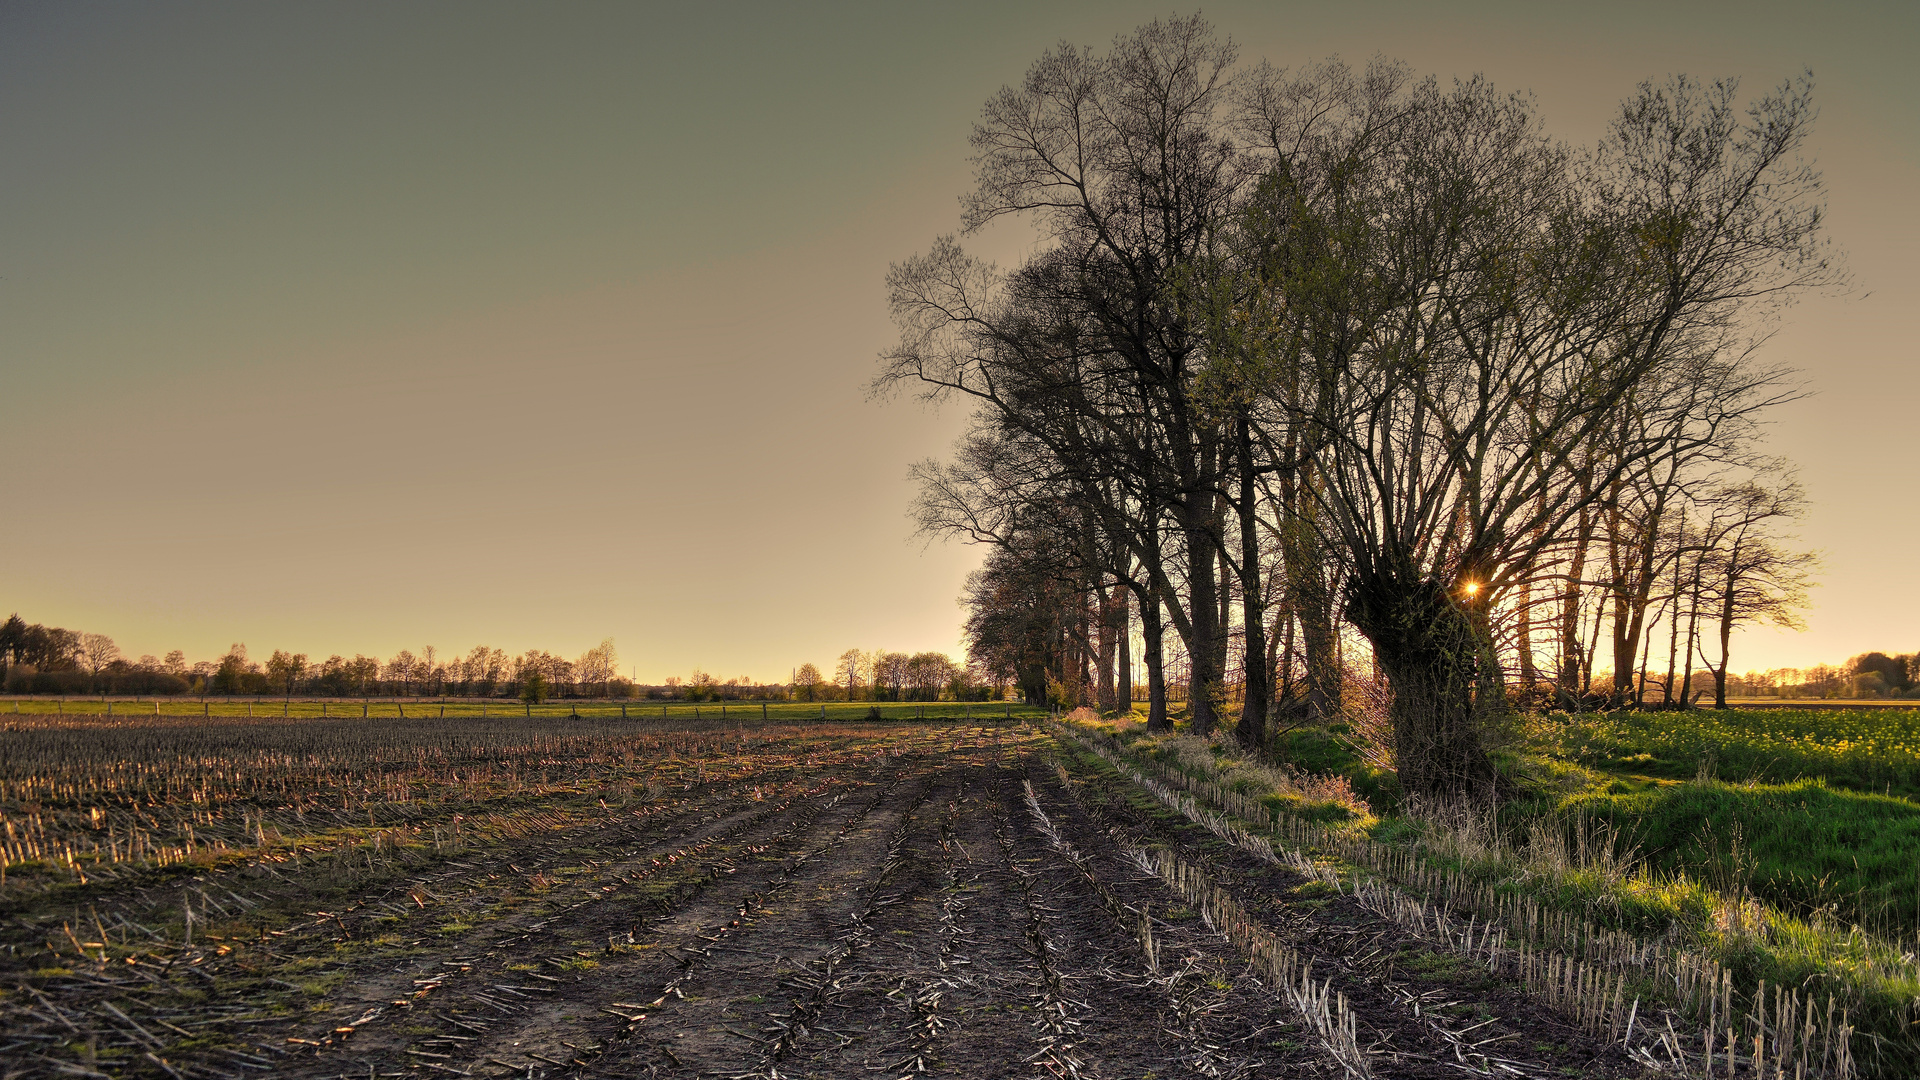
x=939, y=900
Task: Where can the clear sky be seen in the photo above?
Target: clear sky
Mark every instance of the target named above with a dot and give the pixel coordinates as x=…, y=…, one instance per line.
x=359, y=327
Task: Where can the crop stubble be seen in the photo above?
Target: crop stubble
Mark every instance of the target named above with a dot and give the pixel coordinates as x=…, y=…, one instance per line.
x=925, y=900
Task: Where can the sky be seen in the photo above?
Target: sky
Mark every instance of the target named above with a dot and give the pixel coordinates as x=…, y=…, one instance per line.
x=359, y=327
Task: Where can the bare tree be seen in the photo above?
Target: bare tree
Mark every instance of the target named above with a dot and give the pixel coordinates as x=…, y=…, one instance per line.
x=96, y=652
x=847, y=672
x=1090, y=348
x=1750, y=574
x=598, y=665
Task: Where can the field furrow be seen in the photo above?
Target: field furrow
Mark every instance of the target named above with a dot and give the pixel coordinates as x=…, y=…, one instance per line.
x=937, y=900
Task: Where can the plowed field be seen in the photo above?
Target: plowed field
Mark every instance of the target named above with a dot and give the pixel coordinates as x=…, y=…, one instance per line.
x=942, y=899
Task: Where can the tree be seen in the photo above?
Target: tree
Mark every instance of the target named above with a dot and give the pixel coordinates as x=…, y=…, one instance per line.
x=1023, y=607
x=1381, y=339
x=13, y=636
x=807, y=682
x=286, y=669
x=45, y=648
x=847, y=671
x=598, y=665
x=1091, y=349
x=1891, y=669
x=403, y=669
x=232, y=676
x=701, y=686
x=534, y=687
x=927, y=674
x=484, y=668
x=176, y=663
x=1476, y=315
x=97, y=651
x=1752, y=577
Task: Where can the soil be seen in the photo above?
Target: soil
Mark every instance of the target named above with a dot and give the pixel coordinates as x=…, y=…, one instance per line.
x=899, y=907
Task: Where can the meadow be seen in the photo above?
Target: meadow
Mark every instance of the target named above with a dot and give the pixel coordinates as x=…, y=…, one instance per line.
x=1810, y=810
x=587, y=895
x=1868, y=750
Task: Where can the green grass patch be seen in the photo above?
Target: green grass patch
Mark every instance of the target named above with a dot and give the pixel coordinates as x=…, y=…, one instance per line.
x=1876, y=750
x=1801, y=846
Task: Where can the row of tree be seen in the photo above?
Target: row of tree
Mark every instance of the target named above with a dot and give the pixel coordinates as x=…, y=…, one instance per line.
x=1869, y=675
x=35, y=658
x=880, y=675
x=1328, y=361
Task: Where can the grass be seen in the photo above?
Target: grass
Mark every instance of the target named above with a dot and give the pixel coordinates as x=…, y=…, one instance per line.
x=1796, y=882
x=1803, y=847
x=1876, y=750
x=1323, y=798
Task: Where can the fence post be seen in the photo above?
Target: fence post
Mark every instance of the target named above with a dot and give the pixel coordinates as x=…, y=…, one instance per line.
x=763, y=710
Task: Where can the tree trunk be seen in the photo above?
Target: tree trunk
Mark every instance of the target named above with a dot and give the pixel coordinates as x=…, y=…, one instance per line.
x=1203, y=681
x=1571, y=687
x=1673, y=639
x=1726, y=636
x=1435, y=659
x=1524, y=644
x=1311, y=598
x=1693, y=638
x=1123, y=622
x=1152, y=632
x=1257, y=680
x=1033, y=683
x=1109, y=602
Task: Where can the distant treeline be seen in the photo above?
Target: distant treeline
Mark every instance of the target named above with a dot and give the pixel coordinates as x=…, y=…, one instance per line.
x=36, y=659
